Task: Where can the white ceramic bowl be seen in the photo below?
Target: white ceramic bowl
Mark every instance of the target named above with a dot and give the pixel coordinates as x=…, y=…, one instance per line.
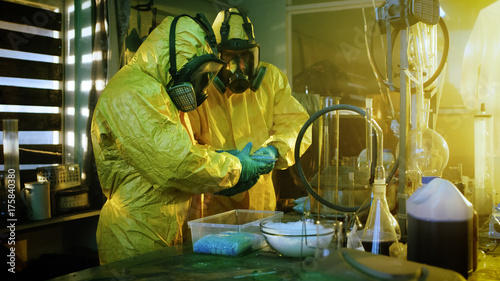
x=296, y=238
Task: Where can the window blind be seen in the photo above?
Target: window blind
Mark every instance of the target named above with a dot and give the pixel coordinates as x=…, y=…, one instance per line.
x=31, y=82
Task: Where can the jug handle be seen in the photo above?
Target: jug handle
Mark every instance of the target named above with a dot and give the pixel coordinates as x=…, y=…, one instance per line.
x=28, y=206
x=421, y=274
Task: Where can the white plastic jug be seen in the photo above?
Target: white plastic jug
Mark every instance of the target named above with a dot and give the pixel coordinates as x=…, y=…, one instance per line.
x=440, y=229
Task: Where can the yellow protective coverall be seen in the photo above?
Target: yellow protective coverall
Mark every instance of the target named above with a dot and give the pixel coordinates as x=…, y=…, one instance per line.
x=148, y=163
x=269, y=116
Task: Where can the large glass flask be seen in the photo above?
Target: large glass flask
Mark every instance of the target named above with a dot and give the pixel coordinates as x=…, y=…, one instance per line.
x=427, y=151
x=381, y=229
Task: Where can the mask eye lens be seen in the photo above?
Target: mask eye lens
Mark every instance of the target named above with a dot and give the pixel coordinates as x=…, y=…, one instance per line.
x=200, y=82
x=243, y=64
x=232, y=66
x=228, y=55
x=201, y=76
x=239, y=61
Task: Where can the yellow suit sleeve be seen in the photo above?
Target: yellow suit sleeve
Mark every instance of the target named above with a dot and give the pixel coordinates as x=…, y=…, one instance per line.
x=289, y=117
x=160, y=148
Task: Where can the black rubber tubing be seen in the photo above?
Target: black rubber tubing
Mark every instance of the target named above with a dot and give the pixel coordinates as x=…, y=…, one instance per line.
x=298, y=164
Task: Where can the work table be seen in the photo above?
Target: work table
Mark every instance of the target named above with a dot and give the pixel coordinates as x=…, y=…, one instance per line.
x=180, y=263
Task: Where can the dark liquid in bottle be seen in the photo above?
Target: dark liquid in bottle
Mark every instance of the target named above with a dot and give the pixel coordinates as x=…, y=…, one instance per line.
x=379, y=247
x=443, y=244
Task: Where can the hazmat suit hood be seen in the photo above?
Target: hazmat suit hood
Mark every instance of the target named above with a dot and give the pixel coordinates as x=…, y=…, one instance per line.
x=236, y=30
x=236, y=44
x=152, y=57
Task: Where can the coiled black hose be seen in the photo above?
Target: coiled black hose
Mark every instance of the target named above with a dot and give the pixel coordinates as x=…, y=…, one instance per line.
x=298, y=164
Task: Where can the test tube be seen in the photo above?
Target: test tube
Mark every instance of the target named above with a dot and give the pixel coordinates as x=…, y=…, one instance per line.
x=369, y=134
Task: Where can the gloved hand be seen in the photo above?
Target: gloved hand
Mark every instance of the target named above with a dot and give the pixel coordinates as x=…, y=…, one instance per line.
x=249, y=168
x=239, y=187
x=269, y=151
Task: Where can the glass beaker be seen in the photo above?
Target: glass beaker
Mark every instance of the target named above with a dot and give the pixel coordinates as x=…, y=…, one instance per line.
x=321, y=236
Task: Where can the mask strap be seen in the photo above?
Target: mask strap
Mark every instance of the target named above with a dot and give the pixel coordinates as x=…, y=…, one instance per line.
x=202, y=21
x=224, y=28
x=248, y=28
x=171, y=45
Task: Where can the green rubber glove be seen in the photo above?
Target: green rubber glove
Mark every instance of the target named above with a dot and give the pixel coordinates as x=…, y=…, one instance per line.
x=239, y=187
x=249, y=168
x=269, y=151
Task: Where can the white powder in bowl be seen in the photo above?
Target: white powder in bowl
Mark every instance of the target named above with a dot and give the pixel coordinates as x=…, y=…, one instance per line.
x=289, y=238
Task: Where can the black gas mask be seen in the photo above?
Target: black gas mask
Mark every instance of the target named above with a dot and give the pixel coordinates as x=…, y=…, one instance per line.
x=188, y=86
x=239, y=72
x=241, y=56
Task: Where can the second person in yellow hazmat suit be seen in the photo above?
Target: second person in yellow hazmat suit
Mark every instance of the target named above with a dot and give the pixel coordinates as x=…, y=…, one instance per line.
x=149, y=164
x=252, y=104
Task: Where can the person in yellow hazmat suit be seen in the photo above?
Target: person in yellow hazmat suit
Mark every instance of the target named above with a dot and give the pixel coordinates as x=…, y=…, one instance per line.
x=149, y=164
x=251, y=102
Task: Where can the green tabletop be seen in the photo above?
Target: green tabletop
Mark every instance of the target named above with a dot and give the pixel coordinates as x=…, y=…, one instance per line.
x=180, y=263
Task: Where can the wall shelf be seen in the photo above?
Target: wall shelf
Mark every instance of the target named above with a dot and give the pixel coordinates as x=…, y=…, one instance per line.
x=28, y=225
